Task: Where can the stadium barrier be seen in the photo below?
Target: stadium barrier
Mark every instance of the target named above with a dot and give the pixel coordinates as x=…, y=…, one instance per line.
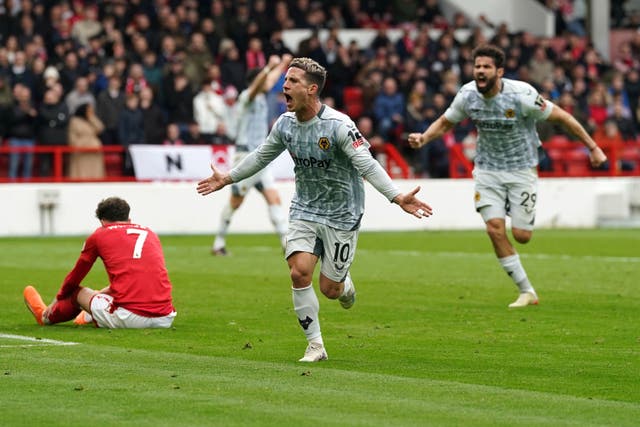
x=112, y=157
x=33, y=209
x=159, y=162
x=567, y=158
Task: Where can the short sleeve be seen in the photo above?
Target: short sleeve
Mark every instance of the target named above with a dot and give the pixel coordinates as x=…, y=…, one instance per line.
x=350, y=139
x=534, y=105
x=456, y=113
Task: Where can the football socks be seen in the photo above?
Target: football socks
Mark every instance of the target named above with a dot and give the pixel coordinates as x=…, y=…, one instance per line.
x=513, y=267
x=306, y=306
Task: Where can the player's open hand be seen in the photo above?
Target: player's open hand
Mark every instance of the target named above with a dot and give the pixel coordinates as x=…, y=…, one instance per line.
x=286, y=59
x=411, y=204
x=274, y=61
x=416, y=140
x=597, y=157
x=215, y=182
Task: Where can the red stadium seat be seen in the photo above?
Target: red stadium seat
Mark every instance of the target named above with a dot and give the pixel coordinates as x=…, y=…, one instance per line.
x=352, y=99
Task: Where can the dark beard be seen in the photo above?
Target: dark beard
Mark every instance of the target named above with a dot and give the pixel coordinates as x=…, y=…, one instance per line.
x=490, y=84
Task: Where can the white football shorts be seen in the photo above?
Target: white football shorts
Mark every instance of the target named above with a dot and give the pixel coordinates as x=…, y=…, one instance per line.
x=502, y=193
x=105, y=316
x=336, y=248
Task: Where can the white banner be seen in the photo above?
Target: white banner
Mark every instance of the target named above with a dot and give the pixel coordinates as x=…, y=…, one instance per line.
x=179, y=162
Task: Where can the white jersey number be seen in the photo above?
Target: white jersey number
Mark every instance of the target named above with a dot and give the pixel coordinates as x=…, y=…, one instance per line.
x=142, y=236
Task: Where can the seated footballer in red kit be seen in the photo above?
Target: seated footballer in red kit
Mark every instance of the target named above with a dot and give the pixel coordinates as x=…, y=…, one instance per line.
x=139, y=291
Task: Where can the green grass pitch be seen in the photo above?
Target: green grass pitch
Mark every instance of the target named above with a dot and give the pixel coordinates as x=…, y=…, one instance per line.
x=430, y=341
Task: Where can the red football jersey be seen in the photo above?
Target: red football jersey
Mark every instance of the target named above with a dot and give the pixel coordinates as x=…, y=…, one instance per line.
x=133, y=258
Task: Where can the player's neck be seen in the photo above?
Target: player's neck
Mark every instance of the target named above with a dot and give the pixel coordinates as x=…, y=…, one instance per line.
x=309, y=111
x=497, y=88
x=106, y=222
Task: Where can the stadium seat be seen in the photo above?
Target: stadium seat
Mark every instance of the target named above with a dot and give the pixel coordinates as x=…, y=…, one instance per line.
x=113, y=164
x=352, y=99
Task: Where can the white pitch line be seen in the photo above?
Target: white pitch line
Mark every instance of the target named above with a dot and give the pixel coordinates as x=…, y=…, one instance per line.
x=36, y=341
x=488, y=255
x=602, y=258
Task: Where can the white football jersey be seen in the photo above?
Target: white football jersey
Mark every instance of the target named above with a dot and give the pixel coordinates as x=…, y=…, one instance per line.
x=330, y=157
x=252, y=120
x=506, y=124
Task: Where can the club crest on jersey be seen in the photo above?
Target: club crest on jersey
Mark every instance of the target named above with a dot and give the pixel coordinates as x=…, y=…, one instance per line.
x=510, y=113
x=324, y=143
x=477, y=196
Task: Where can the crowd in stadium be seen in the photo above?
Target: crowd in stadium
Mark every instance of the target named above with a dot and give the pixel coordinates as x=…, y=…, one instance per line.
x=118, y=72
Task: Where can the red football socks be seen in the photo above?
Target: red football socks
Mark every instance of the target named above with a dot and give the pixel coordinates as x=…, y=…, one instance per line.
x=64, y=310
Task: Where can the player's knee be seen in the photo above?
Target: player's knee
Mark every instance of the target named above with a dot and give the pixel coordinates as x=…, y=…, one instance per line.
x=329, y=288
x=495, y=230
x=235, y=202
x=271, y=196
x=522, y=236
x=300, y=277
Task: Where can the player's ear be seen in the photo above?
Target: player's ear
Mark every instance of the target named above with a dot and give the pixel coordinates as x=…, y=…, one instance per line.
x=500, y=72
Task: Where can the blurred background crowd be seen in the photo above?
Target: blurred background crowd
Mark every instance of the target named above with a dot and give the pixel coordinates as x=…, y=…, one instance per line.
x=114, y=72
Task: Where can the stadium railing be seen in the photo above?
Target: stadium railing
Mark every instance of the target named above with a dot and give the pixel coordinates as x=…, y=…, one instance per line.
x=113, y=158
x=567, y=159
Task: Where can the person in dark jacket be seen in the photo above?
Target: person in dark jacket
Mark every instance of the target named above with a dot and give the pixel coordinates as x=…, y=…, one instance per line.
x=155, y=121
x=53, y=122
x=21, y=131
x=130, y=129
x=109, y=105
x=178, y=97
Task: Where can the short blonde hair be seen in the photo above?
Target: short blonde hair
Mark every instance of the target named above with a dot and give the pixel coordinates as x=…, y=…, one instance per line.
x=313, y=72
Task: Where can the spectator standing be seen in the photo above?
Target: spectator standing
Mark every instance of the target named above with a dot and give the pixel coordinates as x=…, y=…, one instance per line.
x=22, y=132
x=21, y=72
x=178, y=96
x=84, y=132
x=87, y=26
x=80, y=95
x=198, y=59
x=388, y=108
x=173, y=135
x=255, y=57
x=70, y=71
x=130, y=129
x=540, y=66
x=109, y=105
x=152, y=71
x=53, y=123
x=153, y=117
x=368, y=131
x=209, y=112
x=135, y=81
x=232, y=68
x=192, y=135
x=632, y=87
x=6, y=104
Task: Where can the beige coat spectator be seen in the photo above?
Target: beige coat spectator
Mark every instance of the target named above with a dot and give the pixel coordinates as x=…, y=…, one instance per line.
x=84, y=128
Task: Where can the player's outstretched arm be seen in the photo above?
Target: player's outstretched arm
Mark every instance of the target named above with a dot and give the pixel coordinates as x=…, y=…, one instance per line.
x=434, y=131
x=411, y=204
x=214, y=183
x=596, y=155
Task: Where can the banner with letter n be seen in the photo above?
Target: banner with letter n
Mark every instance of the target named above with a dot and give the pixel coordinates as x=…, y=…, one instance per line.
x=179, y=162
